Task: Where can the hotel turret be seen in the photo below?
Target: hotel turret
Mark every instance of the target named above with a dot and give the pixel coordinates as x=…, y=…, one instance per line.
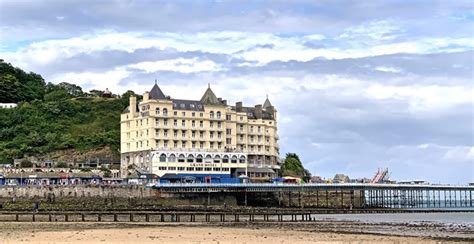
x=200, y=139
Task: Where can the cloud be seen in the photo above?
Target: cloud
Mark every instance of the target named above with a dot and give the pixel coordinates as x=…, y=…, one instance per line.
x=359, y=87
x=178, y=65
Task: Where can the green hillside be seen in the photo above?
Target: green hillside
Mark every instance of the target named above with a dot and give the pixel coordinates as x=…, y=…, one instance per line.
x=54, y=117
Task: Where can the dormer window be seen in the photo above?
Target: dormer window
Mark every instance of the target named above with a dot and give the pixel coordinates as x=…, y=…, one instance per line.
x=192, y=105
x=182, y=105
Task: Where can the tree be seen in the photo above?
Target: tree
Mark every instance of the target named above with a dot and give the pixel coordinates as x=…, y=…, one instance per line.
x=293, y=167
x=16, y=85
x=61, y=165
x=71, y=89
x=26, y=163
x=9, y=89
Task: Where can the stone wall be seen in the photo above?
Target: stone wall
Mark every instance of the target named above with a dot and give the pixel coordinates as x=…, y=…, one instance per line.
x=75, y=191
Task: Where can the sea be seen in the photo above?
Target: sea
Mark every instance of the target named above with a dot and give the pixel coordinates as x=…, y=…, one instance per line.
x=457, y=218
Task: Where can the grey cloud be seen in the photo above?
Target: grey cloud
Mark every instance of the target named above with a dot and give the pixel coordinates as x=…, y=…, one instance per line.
x=28, y=21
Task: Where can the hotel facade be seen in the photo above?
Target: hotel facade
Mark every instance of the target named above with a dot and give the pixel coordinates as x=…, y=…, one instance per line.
x=202, y=139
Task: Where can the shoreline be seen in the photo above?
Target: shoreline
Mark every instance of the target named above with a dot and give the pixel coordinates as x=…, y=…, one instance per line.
x=321, y=231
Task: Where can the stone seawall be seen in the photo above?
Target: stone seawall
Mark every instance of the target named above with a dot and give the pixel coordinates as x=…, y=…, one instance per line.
x=75, y=191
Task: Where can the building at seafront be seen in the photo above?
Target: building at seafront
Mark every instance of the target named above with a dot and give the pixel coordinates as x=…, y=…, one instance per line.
x=201, y=139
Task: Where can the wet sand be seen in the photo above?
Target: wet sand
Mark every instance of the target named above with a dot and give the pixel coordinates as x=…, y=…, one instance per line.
x=200, y=233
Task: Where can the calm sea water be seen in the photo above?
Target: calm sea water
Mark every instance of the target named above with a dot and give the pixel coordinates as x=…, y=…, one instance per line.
x=445, y=218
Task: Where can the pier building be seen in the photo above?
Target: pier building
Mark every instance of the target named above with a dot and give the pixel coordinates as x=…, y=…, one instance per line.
x=204, y=139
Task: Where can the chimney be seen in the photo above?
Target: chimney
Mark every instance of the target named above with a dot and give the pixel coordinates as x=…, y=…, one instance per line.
x=133, y=105
x=238, y=106
x=224, y=102
x=258, y=111
x=146, y=96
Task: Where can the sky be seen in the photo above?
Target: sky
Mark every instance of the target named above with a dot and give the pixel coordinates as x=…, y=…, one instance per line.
x=358, y=85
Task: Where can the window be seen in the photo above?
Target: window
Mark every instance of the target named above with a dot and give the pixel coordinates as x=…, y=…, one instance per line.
x=165, y=144
x=183, y=134
x=193, y=144
x=161, y=168
x=201, y=114
x=233, y=159
x=241, y=118
x=180, y=168
x=242, y=159
x=172, y=158
x=175, y=134
x=189, y=169
x=193, y=113
x=217, y=169
x=181, y=158
x=218, y=114
x=183, y=123
x=165, y=122
x=228, y=140
x=175, y=113
x=225, y=159
x=193, y=134
x=211, y=124
x=198, y=168
x=183, y=145
x=193, y=123
x=199, y=158
x=228, y=117
x=171, y=168
x=175, y=122
x=225, y=169
x=182, y=105
x=183, y=114
x=217, y=159
x=165, y=112
x=228, y=131
x=157, y=111
x=191, y=105
x=190, y=158
x=207, y=169
x=211, y=114
x=201, y=124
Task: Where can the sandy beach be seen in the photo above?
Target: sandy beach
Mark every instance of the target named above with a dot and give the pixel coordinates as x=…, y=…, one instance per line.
x=197, y=233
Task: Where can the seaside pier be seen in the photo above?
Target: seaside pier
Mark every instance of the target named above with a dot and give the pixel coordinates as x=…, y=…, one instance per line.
x=340, y=196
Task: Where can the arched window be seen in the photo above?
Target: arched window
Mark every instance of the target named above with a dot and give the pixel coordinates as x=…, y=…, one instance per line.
x=163, y=157
x=190, y=158
x=181, y=158
x=208, y=159
x=211, y=114
x=242, y=159
x=218, y=114
x=233, y=159
x=199, y=158
x=157, y=111
x=172, y=158
x=165, y=112
x=217, y=159
x=225, y=159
